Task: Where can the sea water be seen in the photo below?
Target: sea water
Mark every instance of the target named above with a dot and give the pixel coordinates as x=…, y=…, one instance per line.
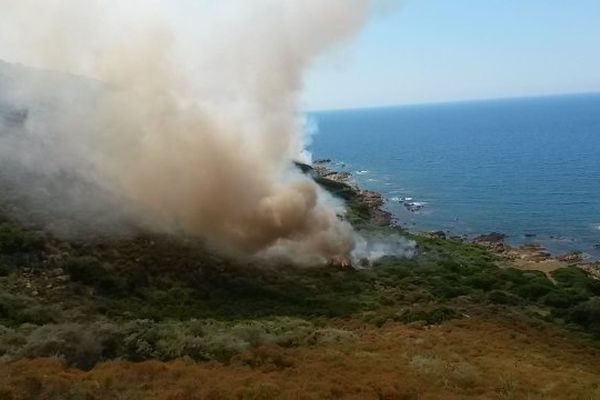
x=529, y=167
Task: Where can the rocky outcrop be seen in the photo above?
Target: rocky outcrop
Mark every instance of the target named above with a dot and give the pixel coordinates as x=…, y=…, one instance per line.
x=493, y=237
x=573, y=257
x=493, y=241
x=372, y=199
x=340, y=184
x=338, y=176
x=592, y=268
x=529, y=252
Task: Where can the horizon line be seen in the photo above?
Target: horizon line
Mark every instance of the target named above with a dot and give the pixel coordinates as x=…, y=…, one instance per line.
x=458, y=101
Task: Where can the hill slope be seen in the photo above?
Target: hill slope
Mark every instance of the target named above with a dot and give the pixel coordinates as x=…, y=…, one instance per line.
x=154, y=316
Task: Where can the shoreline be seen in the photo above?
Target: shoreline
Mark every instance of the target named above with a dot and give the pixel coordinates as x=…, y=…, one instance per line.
x=532, y=256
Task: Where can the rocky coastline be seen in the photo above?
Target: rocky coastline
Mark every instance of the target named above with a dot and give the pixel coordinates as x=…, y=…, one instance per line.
x=535, y=256
x=526, y=256
x=365, y=202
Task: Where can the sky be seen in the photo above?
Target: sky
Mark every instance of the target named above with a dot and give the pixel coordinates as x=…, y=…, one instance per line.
x=452, y=50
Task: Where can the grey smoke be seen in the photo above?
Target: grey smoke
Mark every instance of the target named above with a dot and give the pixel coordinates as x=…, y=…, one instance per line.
x=178, y=115
x=372, y=247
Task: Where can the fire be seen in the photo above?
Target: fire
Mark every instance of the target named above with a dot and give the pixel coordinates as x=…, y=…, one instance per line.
x=341, y=262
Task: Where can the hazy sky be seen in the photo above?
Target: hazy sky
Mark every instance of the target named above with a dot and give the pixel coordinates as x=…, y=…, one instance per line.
x=439, y=50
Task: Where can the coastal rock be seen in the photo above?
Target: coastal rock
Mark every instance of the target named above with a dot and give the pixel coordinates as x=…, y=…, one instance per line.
x=458, y=238
x=493, y=237
x=592, y=268
x=381, y=217
x=372, y=199
x=530, y=252
x=493, y=241
x=321, y=171
x=305, y=168
x=338, y=183
x=438, y=234
x=413, y=206
x=571, y=257
x=338, y=176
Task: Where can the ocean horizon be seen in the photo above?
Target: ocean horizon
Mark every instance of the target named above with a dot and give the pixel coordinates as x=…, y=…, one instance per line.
x=527, y=167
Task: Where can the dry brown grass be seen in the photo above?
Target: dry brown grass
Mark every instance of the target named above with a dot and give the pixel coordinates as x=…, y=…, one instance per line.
x=482, y=357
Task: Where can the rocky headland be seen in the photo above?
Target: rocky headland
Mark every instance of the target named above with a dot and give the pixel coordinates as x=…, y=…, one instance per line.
x=368, y=204
x=529, y=256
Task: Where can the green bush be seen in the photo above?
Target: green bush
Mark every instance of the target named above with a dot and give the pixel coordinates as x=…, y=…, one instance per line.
x=511, y=276
x=587, y=314
x=533, y=290
x=17, y=240
x=563, y=298
x=483, y=281
x=90, y=271
x=5, y=269
x=449, y=290
x=81, y=346
x=576, y=278
x=212, y=340
x=503, y=297
x=17, y=309
x=431, y=317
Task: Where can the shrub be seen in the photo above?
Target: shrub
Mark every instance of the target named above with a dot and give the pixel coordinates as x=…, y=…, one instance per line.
x=209, y=339
x=81, y=346
x=533, y=290
x=11, y=339
x=5, y=270
x=503, y=297
x=576, y=278
x=90, y=271
x=432, y=317
x=563, y=298
x=512, y=276
x=568, y=277
x=16, y=310
x=483, y=281
x=587, y=314
x=447, y=290
x=16, y=240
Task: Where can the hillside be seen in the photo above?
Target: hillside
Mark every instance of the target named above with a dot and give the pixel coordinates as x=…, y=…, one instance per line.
x=157, y=316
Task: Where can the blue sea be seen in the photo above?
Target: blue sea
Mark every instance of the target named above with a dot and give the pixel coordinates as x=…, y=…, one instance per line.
x=528, y=167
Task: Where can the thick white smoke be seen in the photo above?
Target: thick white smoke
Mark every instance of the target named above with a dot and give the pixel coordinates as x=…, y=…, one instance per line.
x=372, y=247
x=187, y=117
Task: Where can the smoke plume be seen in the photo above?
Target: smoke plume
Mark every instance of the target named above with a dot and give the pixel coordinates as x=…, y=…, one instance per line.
x=182, y=115
x=372, y=247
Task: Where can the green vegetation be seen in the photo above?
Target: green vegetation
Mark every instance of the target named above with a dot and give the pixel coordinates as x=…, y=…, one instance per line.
x=16, y=240
x=160, y=297
x=84, y=344
x=158, y=316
